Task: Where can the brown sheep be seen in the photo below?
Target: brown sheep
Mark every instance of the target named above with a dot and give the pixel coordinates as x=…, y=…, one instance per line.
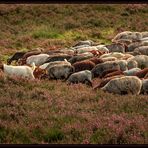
x=39, y=73
x=142, y=73
x=83, y=65
x=108, y=71
x=117, y=72
x=96, y=60
x=103, y=82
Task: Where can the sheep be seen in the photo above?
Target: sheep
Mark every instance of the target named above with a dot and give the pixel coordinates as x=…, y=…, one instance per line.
x=96, y=60
x=37, y=59
x=142, y=60
x=142, y=49
x=144, y=88
x=131, y=72
x=144, y=34
x=51, y=64
x=22, y=60
x=146, y=76
x=113, y=54
x=116, y=47
x=126, y=56
x=124, y=85
x=102, y=48
x=108, y=59
x=87, y=42
x=141, y=73
x=80, y=46
x=39, y=73
x=127, y=35
x=19, y=71
x=15, y=57
x=77, y=58
x=132, y=64
x=133, y=45
x=58, y=58
x=85, y=49
x=100, y=68
x=60, y=71
x=81, y=77
x=117, y=72
x=83, y=65
x=105, y=72
x=122, y=64
x=103, y=82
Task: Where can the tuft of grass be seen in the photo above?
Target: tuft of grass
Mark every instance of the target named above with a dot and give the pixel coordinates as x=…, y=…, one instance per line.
x=53, y=135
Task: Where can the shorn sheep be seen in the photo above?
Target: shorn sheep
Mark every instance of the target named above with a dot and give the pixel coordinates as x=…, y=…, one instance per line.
x=124, y=85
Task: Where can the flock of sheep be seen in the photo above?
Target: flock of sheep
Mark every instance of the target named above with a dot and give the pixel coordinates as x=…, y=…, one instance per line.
x=121, y=66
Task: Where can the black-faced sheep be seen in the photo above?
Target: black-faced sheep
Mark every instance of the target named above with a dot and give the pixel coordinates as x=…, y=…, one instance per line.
x=124, y=85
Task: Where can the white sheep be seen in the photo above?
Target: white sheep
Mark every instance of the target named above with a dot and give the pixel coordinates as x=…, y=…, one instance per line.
x=124, y=85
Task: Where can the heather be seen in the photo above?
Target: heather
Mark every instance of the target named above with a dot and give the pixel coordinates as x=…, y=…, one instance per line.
x=43, y=111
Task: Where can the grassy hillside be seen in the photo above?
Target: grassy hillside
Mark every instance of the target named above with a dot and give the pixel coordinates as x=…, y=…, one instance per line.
x=42, y=111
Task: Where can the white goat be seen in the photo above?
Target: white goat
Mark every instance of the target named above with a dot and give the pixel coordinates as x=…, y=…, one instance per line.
x=20, y=71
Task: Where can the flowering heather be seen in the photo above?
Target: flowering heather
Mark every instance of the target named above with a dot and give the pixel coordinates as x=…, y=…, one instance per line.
x=50, y=111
